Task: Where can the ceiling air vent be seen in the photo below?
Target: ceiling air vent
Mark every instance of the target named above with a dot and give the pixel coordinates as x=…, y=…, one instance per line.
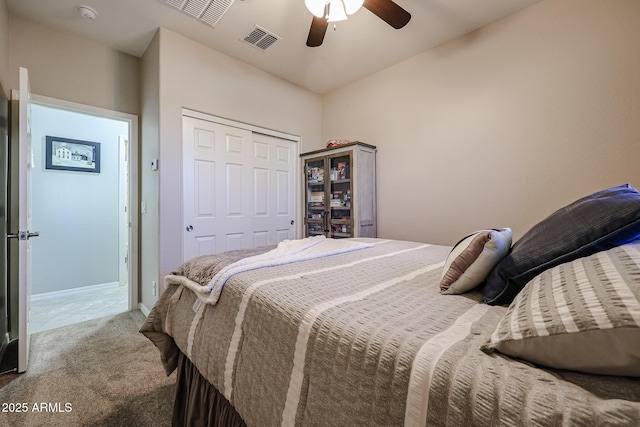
x=207, y=11
x=260, y=38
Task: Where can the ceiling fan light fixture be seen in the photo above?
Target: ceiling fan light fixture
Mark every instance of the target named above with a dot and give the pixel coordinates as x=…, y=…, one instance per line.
x=336, y=11
x=352, y=6
x=316, y=7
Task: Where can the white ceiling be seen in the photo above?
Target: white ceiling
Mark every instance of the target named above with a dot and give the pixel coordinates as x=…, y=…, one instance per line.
x=358, y=47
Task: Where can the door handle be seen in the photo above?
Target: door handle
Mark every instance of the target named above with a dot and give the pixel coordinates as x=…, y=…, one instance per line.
x=189, y=228
x=23, y=235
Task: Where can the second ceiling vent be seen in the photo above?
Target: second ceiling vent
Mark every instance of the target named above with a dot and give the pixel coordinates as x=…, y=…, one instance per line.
x=260, y=38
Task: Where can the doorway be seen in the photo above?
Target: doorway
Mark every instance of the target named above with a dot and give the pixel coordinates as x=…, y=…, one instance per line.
x=81, y=262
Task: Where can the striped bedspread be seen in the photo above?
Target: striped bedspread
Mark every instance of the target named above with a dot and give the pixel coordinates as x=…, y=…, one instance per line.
x=286, y=252
x=365, y=339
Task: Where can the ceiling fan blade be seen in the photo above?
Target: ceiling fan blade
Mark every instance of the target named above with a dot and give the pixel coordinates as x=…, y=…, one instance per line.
x=389, y=12
x=317, y=31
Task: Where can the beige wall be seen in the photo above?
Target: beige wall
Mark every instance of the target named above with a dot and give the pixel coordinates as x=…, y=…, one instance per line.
x=149, y=180
x=502, y=126
x=68, y=67
x=196, y=77
x=4, y=46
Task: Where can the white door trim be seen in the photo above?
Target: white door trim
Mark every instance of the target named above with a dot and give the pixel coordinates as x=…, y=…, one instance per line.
x=132, y=119
x=241, y=125
x=266, y=131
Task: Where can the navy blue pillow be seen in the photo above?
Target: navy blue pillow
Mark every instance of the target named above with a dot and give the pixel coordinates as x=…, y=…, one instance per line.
x=592, y=224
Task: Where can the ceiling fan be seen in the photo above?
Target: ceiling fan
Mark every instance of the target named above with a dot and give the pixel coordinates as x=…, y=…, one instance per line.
x=325, y=11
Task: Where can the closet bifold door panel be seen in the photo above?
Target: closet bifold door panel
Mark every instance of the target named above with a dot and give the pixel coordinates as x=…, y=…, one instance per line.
x=239, y=187
x=340, y=191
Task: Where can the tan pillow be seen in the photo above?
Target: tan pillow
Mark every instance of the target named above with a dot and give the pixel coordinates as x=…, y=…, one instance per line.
x=472, y=258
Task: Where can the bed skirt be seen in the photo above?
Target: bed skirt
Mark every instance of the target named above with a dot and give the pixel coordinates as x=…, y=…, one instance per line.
x=198, y=403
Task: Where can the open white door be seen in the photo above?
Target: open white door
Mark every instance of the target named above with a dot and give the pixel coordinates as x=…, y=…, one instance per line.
x=24, y=215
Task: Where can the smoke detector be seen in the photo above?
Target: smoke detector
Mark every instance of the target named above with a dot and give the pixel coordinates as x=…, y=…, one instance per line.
x=87, y=12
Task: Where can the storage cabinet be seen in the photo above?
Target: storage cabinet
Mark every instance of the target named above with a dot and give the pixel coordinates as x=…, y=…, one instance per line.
x=340, y=191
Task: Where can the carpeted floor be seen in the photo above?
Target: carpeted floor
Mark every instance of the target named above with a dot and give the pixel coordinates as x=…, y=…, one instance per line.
x=100, y=372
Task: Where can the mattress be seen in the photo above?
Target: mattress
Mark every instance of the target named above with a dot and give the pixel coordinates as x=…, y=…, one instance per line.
x=364, y=338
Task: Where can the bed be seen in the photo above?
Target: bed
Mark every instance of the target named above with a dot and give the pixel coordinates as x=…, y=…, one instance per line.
x=365, y=333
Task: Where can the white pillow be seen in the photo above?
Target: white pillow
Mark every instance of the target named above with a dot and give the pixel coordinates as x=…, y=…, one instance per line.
x=472, y=258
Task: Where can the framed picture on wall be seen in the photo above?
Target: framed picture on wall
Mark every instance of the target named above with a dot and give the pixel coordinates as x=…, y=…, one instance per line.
x=72, y=154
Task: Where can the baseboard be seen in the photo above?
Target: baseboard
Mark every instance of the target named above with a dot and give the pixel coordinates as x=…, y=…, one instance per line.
x=73, y=291
x=144, y=309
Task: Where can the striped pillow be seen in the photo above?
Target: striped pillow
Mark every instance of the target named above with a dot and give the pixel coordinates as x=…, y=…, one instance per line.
x=583, y=315
x=472, y=258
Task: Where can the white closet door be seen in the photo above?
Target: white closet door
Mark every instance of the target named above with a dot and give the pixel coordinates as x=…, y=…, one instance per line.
x=238, y=188
x=273, y=190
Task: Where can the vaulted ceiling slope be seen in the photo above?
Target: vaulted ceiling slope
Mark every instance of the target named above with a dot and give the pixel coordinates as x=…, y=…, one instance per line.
x=360, y=46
